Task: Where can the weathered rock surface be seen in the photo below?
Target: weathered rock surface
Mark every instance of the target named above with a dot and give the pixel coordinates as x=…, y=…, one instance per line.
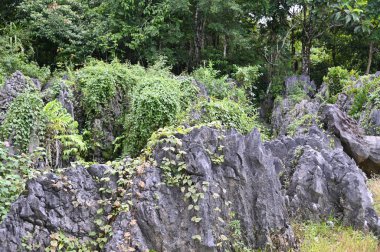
x=302, y=81
x=14, y=86
x=245, y=184
x=321, y=180
x=287, y=113
x=258, y=186
x=51, y=203
x=363, y=149
x=243, y=188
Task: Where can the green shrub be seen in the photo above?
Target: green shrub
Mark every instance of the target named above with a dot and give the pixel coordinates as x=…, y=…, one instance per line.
x=13, y=58
x=100, y=84
x=24, y=123
x=360, y=99
x=248, y=76
x=104, y=91
x=216, y=86
x=189, y=92
x=336, y=79
x=62, y=139
x=229, y=113
x=156, y=103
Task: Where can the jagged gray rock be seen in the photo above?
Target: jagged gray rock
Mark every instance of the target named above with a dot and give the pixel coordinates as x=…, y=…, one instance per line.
x=51, y=203
x=302, y=81
x=321, y=180
x=243, y=188
x=14, y=86
x=245, y=184
x=364, y=150
x=286, y=112
x=242, y=184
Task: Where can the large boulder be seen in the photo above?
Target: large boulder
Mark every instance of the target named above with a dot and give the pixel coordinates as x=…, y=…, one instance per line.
x=303, y=81
x=364, y=150
x=290, y=118
x=321, y=180
x=243, y=189
x=51, y=203
x=235, y=186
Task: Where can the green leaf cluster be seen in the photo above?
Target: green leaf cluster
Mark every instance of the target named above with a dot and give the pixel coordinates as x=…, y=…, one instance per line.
x=156, y=102
x=24, y=123
x=14, y=171
x=62, y=139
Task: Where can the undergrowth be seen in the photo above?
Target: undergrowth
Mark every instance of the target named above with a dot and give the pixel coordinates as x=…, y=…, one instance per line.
x=330, y=236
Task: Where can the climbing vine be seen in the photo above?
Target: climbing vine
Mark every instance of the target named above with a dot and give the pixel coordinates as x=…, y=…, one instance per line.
x=24, y=124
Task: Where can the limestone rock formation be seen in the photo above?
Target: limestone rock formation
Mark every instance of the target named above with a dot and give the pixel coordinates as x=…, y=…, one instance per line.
x=229, y=182
x=364, y=149
x=14, y=86
x=321, y=180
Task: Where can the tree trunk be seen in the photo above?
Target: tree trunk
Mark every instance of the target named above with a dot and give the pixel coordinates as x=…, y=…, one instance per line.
x=293, y=43
x=307, y=34
x=370, y=56
x=306, y=61
x=198, y=36
x=224, y=46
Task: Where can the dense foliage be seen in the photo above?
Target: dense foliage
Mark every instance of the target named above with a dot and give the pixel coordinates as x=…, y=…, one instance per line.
x=24, y=123
x=156, y=103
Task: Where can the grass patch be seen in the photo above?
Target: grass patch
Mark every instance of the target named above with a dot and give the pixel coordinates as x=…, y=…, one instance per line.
x=330, y=236
x=374, y=187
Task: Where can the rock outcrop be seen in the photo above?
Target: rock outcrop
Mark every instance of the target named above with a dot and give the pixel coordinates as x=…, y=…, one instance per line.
x=242, y=188
x=321, y=180
x=209, y=189
x=51, y=203
x=364, y=149
x=229, y=183
x=14, y=86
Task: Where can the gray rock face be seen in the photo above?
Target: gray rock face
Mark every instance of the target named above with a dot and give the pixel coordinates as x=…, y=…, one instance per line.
x=375, y=117
x=364, y=150
x=14, y=86
x=302, y=81
x=236, y=183
x=243, y=188
x=287, y=113
x=51, y=203
x=321, y=180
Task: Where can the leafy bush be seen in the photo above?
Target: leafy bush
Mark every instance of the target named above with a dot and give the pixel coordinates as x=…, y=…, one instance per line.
x=104, y=92
x=229, y=113
x=360, y=99
x=14, y=171
x=336, y=78
x=100, y=84
x=216, y=86
x=189, y=92
x=61, y=135
x=156, y=102
x=13, y=58
x=248, y=76
x=24, y=123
